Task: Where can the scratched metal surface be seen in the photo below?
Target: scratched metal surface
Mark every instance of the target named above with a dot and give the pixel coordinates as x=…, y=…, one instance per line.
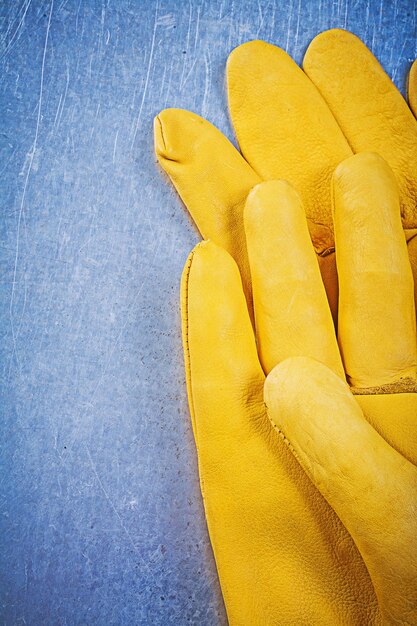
x=102, y=521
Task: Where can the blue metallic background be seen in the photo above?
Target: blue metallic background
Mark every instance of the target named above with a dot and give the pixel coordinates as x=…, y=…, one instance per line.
x=101, y=515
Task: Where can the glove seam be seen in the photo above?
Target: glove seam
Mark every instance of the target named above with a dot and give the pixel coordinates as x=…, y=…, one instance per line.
x=185, y=327
x=407, y=384
x=283, y=437
x=187, y=363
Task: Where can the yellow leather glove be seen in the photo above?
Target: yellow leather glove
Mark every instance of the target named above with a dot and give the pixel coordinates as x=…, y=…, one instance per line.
x=296, y=126
x=342, y=550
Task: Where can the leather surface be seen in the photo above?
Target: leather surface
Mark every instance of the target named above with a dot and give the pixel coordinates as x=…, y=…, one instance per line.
x=286, y=130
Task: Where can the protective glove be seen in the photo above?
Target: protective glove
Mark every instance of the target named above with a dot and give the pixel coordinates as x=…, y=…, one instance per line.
x=286, y=130
x=341, y=550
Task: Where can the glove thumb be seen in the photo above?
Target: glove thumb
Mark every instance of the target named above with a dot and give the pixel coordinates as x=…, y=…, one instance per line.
x=370, y=485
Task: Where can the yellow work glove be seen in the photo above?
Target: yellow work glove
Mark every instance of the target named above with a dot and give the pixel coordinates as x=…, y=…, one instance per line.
x=297, y=126
x=316, y=525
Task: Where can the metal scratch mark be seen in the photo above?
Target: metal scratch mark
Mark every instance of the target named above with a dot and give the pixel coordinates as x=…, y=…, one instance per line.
x=109, y=500
x=187, y=43
x=207, y=62
x=261, y=19
x=197, y=26
x=61, y=104
x=28, y=172
x=380, y=16
x=287, y=43
x=76, y=17
x=148, y=71
x=17, y=32
x=298, y=22
x=394, y=74
x=189, y=73
x=114, y=146
x=345, y=17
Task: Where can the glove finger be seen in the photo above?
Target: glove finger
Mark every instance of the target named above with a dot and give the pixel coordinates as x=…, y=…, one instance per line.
x=412, y=88
x=285, y=129
x=211, y=177
x=370, y=486
x=292, y=313
x=368, y=107
x=377, y=323
x=224, y=376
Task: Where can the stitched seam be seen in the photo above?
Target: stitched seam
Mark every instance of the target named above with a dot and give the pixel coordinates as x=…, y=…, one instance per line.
x=284, y=438
x=185, y=326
